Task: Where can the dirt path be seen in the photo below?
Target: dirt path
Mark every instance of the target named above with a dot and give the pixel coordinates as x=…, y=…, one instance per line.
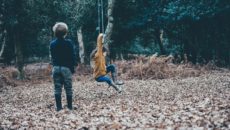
x=200, y=102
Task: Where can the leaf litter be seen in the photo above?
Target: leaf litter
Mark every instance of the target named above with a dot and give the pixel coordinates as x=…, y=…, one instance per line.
x=200, y=99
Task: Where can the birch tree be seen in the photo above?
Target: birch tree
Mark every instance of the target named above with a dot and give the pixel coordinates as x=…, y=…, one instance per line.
x=2, y=31
x=3, y=40
x=81, y=45
x=109, y=28
x=80, y=12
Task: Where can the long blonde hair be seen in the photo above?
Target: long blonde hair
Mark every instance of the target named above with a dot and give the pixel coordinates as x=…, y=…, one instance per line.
x=100, y=38
x=104, y=49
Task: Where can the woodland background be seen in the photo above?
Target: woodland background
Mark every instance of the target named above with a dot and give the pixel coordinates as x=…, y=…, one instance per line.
x=198, y=28
x=173, y=55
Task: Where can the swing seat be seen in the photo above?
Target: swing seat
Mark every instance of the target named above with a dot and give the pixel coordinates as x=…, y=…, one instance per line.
x=102, y=84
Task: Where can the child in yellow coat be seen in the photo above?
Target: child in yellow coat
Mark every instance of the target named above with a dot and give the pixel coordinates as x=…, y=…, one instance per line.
x=100, y=69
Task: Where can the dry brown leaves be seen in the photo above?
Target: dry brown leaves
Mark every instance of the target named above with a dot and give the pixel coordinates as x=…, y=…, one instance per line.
x=198, y=102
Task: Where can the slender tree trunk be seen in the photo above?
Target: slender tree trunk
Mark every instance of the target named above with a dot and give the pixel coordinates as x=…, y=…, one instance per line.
x=3, y=43
x=2, y=31
x=109, y=28
x=122, y=57
x=81, y=45
x=159, y=36
x=19, y=56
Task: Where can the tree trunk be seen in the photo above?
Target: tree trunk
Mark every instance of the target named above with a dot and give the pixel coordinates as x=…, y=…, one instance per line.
x=2, y=32
x=3, y=37
x=81, y=46
x=19, y=57
x=122, y=57
x=159, y=36
x=109, y=28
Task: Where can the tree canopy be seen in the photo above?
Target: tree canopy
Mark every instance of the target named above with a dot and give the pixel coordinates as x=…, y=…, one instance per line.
x=199, y=29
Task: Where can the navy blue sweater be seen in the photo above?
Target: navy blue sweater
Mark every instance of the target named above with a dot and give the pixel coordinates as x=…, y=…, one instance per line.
x=63, y=53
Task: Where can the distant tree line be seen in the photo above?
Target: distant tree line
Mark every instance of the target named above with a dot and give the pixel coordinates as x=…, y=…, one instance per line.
x=199, y=29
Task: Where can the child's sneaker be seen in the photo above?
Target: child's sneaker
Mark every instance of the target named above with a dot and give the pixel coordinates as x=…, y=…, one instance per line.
x=119, y=90
x=119, y=82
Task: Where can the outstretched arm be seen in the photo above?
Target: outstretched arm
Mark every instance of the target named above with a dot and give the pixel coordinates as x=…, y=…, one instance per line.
x=99, y=44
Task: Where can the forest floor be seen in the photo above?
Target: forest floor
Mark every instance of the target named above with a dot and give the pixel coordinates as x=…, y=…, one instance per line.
x=196, y=101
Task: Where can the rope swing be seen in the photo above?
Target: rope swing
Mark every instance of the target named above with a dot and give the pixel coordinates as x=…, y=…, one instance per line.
x=100, y=12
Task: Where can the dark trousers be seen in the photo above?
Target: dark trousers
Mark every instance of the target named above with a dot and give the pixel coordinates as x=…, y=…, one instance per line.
x=62, y=76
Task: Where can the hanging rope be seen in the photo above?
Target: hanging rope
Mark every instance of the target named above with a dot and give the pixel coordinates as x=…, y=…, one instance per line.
x=99, y=17
x=102, y=17
x=100, y=12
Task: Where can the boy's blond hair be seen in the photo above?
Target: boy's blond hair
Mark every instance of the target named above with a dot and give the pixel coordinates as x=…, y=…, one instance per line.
x=60, y=29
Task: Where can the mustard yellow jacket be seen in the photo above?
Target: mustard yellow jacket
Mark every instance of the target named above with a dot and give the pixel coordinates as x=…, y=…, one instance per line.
x=99, y=59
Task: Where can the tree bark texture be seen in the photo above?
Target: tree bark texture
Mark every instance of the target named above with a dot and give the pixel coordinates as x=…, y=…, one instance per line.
x=3, y=40
x=2, y=31
x=159, y=37
x=19, y=56
x=81, y=46
x=109, y=28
